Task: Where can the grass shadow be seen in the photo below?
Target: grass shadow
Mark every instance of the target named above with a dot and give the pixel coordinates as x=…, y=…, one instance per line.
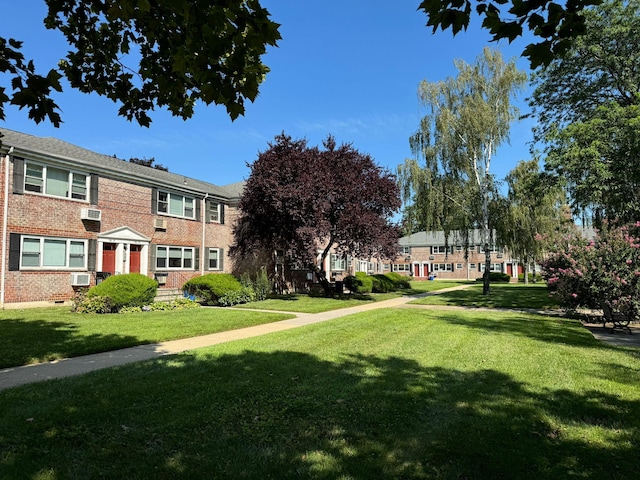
x=29, y=341
x=290, y=415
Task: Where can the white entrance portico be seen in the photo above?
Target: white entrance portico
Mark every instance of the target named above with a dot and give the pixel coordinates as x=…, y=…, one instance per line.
x=122, y=250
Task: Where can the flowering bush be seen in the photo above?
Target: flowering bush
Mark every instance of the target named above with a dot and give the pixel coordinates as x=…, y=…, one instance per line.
x=585, y=273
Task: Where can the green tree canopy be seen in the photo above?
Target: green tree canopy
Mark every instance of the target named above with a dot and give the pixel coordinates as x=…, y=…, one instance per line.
x=468, y=118
x=555, y=23
x=145, y=54
x=587, y=103
x=531, y=210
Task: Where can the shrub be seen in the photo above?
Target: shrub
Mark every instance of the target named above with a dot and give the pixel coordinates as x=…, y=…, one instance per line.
x=129, y=290
x=359, y=283
x=382, y=284
x=496, y=277
x=96, y=304
x=262, y=285
x=592, y=273
x=235, y=297
x=179, y=304
x=533, y=277
x=398, y=280
x=211, y=287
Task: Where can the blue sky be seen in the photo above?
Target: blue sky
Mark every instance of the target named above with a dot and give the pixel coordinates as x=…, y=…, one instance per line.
x=349, y=68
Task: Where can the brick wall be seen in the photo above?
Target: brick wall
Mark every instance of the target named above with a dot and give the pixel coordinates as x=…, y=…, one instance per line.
x=122, y=204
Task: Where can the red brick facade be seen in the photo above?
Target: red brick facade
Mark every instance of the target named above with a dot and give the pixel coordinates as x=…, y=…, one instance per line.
x=128, y=224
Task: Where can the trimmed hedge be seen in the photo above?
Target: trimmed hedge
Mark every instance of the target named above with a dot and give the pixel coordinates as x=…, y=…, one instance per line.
x=210, y=288
x=532, y=277
x=359, y=283
x=128, y=290
x=400, y=281
x=497, y=277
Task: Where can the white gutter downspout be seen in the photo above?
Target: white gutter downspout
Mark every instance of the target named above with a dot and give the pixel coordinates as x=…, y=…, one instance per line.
x=204, y=224
x=5, y=216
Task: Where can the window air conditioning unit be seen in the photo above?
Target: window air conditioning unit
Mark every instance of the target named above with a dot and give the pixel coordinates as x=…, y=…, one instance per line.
x=80, y=279
x=90, y=214
x=160, y=224
x=431, y=257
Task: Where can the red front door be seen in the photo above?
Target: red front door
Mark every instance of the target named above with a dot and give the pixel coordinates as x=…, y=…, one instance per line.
x=134, y=258
x=109, y=258
x=416, y=270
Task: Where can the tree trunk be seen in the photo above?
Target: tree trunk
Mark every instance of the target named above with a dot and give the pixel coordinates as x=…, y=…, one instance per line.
x=486, y=278
x=526, y=272
x=322, y=280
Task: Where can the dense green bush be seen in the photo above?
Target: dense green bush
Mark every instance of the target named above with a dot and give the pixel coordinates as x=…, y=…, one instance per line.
x=382, y=284
x=497, y=277
x=261, y=285
x=211, y=287
x=400, y=281
x=236, y=297
x=533, y=277
x=129, y=290
x=359, y=283
x=97, y=304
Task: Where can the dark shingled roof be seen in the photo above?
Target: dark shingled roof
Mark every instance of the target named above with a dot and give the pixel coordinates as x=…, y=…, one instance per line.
x=58, y=150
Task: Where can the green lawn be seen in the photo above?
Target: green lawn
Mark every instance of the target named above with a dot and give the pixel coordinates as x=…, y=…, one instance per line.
x=411, y=394
x=315, y=304
x=42, y=334
x=502, y=295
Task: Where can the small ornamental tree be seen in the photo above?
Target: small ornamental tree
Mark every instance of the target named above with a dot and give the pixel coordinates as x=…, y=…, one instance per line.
x=306, y=201
x=602, y=271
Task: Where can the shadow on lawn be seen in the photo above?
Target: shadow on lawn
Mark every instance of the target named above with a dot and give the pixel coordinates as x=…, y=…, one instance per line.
x=289, y=415
x=501, y=296
x=28, y=341
x=546, y=329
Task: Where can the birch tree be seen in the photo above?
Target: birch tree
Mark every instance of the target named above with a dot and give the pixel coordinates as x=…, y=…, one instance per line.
x=468, y=117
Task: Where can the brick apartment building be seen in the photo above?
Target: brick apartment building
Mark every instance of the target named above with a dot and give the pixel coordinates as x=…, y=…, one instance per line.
x=426, y=254
x=71, y=216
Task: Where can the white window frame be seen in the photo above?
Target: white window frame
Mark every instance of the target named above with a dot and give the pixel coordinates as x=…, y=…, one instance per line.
x=68, y=255
x=401, y=267
x=458, y=266
x=163, y=205
x=167, y=257
x=440, y=250
x=43, y=180
x=217, y=259
x=405, y=250
x=337, y=262
x=214, y=212
x=494, y=267
x=442, y=267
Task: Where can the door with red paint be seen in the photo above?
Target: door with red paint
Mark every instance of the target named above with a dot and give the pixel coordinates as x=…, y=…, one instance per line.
x=134, y=258
x=109, y=258
x=416, y=270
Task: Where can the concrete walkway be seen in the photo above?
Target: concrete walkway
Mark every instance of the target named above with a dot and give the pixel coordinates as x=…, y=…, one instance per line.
x=16, y=376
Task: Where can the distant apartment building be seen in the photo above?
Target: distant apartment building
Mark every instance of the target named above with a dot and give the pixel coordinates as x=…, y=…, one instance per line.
x=427, y=254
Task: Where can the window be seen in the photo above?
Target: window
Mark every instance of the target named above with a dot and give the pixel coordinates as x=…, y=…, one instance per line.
x=214, y=213
x=53, y=253
x=176, y=205
x=386, y=266
x=401, y=267
x=458, y=266
x=214, y=259
x=440, y=249
x=495, y=267
x=405, y=250
x=472, y=266
x=337, y=262
x=442, y=267
x=55, y=181
x=174, y=257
